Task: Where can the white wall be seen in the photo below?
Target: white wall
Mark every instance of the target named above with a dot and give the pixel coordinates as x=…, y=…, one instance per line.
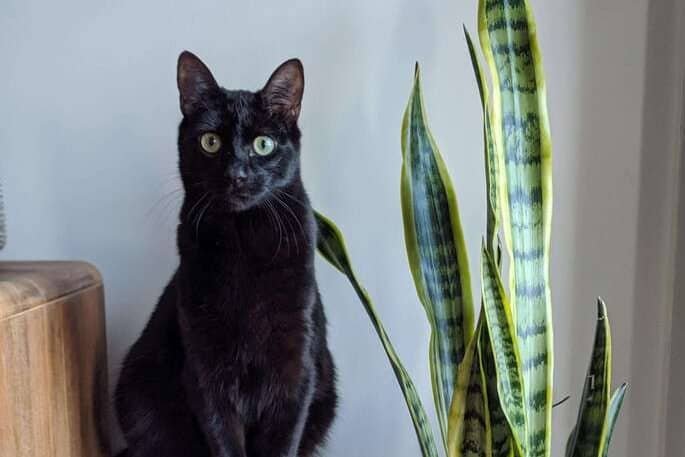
x=88, y=115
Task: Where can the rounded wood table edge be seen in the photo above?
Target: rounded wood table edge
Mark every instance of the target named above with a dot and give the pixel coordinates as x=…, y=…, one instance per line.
x=29, y=284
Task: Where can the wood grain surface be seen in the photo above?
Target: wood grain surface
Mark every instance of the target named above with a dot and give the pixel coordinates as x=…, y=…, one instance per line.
x=53, y=367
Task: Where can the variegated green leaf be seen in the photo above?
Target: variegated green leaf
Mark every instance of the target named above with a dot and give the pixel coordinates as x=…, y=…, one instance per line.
x=331, y=246
x=469, y=428
x=585, y=439
x=506, y=356
x=490, y=158
x=477, y=432
x=610, y=420
x=436, y=250
x=500, y=435
x=522, y=140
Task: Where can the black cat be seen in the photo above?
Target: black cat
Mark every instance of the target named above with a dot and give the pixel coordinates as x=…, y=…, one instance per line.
x=234, y=360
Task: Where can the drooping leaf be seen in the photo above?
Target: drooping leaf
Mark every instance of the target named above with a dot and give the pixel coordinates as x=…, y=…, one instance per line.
x=331, y=246
x=522, y=141
x=610, y=420
x=508, y=367
x=468, y=427
x=585, y=439
x=436, y=251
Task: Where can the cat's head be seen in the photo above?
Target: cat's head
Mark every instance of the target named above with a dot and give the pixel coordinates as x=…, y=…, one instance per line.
x=238, y=147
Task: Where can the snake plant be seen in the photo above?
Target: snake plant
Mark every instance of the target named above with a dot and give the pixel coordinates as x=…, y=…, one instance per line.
x=492, y=380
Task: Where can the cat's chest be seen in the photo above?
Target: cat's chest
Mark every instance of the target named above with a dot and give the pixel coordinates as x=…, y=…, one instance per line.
x=250, y=317
x=254, y=340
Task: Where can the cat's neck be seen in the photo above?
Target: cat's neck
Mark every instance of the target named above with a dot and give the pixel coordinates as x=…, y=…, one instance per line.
x=279, y=228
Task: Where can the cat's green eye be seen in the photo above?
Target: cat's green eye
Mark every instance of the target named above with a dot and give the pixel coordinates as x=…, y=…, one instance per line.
x=263, y=145
x=211, y=143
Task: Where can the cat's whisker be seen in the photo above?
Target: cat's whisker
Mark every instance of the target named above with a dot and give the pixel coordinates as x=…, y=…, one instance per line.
x=202, y=213
x=164, y=199
x=281, y=227
x=292, y=197
x=164, y=207
x=284, y=228
x=196, y=205
x=291, y=210
x=275, y=226
x=272, y=217
x=168, y=203
x=294, y=216
x=292, y=231
x=170, y=211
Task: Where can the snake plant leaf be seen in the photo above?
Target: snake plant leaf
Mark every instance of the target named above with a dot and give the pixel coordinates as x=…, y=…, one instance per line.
x=610, y=420
x=436, y=250
x=585, y=439
x=522, y=140
x=500, y=434
x=570, y=443
x=331, y=245
x=491, y=162
x=469, y=432
x=508, y=366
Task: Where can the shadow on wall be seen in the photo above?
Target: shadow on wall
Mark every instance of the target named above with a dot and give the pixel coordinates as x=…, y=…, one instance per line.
x=605, y=218
x=656, y=306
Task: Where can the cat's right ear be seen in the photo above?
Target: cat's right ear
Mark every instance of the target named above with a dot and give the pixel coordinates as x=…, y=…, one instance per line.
x=194, y=81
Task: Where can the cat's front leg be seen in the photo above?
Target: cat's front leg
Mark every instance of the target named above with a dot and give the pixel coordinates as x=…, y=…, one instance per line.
x=217, y=417
x=204, y=385
x=278, y=432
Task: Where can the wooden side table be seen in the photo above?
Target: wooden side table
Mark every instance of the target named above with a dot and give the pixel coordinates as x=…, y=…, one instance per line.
x=53, y=362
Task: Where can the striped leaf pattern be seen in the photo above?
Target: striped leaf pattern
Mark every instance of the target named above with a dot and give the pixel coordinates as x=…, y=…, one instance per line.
x=331, y=246
x=506, y=357
x=469, y=428
x=500, y=435
x=476, y=428
x=610, y=420
x=436, y=250
x=585, y=439
x=508, y=37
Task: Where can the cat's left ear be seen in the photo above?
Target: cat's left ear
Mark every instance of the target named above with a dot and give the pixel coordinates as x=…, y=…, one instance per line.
x=194, y=81
x=282, y=94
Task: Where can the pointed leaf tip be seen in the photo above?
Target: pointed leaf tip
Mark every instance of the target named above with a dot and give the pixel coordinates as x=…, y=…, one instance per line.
x=601, y=309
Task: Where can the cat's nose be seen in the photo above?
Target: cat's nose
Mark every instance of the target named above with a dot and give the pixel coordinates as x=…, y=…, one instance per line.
x=239, y=181
x=237, y=176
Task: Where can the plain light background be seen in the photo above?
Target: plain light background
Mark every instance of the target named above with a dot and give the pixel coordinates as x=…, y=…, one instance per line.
x=88, y=118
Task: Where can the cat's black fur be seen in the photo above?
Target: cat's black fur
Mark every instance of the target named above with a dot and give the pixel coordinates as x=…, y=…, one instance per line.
x=234, y=360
